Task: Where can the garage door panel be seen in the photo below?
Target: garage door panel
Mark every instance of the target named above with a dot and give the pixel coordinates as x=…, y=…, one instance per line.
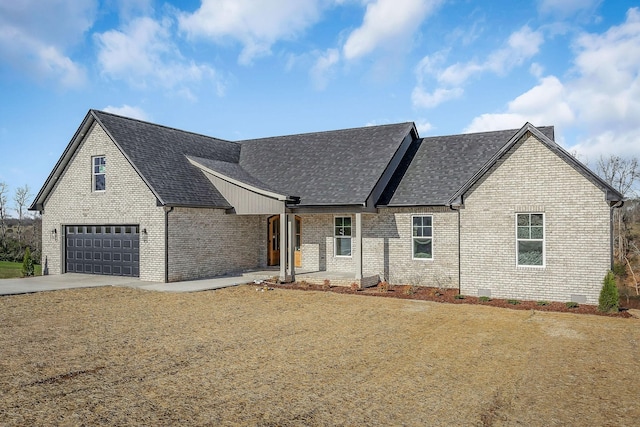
x=100, y=249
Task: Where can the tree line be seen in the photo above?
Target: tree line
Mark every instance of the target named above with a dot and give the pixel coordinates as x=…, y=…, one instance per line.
x=22, y=231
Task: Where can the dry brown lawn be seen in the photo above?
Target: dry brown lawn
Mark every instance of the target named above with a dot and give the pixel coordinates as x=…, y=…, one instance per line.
x=120, y=356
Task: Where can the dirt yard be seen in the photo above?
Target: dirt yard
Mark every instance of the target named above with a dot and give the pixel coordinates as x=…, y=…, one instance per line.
x=120, y=356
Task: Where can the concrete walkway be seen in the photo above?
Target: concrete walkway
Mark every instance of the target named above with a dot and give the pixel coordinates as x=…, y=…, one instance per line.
x=77, y=280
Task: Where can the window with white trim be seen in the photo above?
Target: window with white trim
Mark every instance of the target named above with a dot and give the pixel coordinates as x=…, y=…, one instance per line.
x=530, y=239
x=422, y=236
x=99, y=173
x=342, y=235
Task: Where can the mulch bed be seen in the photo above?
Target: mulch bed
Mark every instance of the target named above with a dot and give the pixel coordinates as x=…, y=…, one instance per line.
x=452, y=296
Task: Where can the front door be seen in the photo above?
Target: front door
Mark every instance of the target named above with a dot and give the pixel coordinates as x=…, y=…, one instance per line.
x=273, y=254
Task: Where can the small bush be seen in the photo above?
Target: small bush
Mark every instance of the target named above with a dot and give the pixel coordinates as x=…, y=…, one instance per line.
x=484, y=299
x=571, y=304
x=354, y=287
x=383, y=286
x=609, y=297
x=459, y=296
x=513, y=301
x=27, y=263
x=407, y=289
x=543, y=303
x=326, y=284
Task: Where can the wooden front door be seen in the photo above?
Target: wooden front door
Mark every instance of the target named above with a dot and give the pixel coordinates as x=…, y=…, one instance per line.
x=273, y=254
x=273, y=257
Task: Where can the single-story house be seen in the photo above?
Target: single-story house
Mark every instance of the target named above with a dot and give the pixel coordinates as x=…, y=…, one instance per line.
x=507, y=214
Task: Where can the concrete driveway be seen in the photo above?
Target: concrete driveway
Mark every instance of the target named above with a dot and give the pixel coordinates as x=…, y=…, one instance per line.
x=77, y=280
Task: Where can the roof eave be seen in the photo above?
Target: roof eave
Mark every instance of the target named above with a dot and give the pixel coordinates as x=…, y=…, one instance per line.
x=63, y=161
x=246, y=186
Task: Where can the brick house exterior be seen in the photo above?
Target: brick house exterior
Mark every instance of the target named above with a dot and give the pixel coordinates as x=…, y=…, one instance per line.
x=506, y=214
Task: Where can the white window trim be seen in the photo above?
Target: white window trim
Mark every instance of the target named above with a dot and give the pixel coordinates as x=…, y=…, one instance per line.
x=433, y=255
x=544, y=240
x=94, y=174
x=335, y=238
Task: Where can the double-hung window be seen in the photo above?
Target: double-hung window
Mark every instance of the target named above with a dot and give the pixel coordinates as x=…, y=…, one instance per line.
x=342, y=235
x=99, y=173
x=530, y=239
x=422, y=237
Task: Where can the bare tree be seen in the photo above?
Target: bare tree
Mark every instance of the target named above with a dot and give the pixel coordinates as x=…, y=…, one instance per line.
x=21, y=199
x=620, y=173
x=4, y=189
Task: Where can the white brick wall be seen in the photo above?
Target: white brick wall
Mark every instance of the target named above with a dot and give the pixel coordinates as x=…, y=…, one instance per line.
x=127, y=200
x=387, y=246
x=209, y=242
x=531, y=178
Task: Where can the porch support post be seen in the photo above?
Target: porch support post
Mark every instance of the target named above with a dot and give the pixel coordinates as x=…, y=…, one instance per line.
x=358, y=260
x=283, y=247
x=291, y=252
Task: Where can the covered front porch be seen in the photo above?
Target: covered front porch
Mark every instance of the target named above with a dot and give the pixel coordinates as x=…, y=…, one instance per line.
x=318, y=247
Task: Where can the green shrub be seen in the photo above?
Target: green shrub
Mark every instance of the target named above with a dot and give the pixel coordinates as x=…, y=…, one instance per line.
x=459, y=296
x=513, y=301
x=571, y=304
x=484, y=299
x=27, y=263
x=543, y=303
x=609, y=297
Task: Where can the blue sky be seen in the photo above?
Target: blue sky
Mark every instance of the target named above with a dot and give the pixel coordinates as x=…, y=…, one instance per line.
x=238, y=69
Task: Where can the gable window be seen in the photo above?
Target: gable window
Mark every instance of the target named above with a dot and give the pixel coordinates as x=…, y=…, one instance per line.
x=422, y=236
x=99, y=171
x=342, y=235
x=530, y=239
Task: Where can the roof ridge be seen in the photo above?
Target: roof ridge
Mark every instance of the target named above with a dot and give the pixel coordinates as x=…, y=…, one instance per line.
x=483, y=132
x=322, y=132
x=146, y=122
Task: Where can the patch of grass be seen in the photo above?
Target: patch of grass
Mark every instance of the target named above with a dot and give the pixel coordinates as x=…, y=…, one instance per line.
x=484, y=299
x=459, y=296
x=543, y=303
x=571, y=304
x=11, y=270
x=513, y=301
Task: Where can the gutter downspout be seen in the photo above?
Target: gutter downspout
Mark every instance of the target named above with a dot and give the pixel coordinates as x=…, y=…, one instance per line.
x=166, y=242
x=616, y=205
x=457, y=208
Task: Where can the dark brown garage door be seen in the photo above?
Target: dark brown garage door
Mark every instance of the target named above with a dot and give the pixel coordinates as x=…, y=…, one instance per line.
x=103, y=249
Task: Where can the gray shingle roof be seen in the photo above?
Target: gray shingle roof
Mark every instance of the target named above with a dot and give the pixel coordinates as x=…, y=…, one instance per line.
x=158, y=153
x=443, y=164
x=233, y=171
x=325, y=168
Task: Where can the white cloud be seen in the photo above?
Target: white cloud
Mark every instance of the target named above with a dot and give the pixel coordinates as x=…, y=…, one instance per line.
x=387, y=24
x=449, y=81
x=423, y=127
x=32, y=38
x=421, y=98
x=128, y=111
x=599, y=102
x=143, y=54
x=323, y=68
x=522, y=45
x=566, y=8
x=257, y=25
